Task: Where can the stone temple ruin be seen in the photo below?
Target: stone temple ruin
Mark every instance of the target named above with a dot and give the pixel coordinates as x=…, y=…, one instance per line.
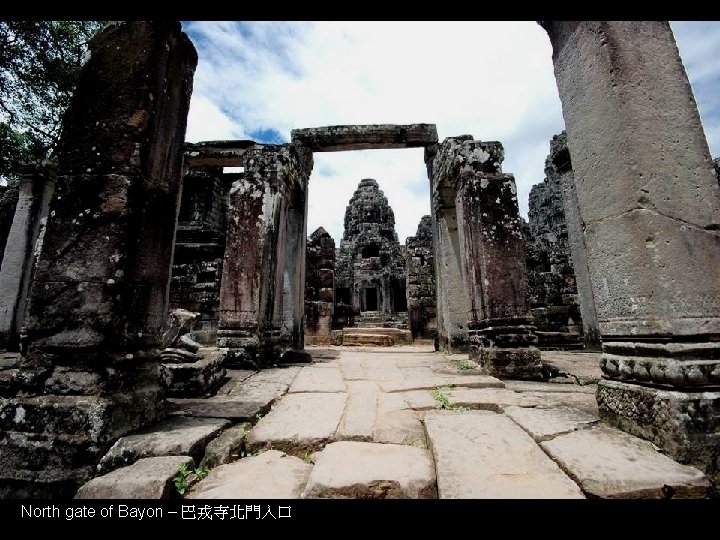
x=558, y=313
x=103, y=246
x=370, y=275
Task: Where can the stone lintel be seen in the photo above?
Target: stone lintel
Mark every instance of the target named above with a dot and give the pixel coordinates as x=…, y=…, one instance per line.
x=217, y=153
x=365, y=137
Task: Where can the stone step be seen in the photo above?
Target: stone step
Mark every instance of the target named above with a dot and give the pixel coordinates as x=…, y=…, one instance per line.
x=176, y=436
x=147, y=478
x=611, y=464
x=269, y=475
x=363, y=470
x=399, y=336
x=480, y=454
x=358, y=340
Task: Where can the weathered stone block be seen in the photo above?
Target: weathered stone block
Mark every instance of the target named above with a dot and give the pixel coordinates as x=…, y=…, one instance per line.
x=178, y=436
x=226, y=447
x=148, y=478
x=270, y=475
x=362, y=470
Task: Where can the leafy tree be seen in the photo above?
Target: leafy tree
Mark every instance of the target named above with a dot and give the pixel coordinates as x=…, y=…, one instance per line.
x=39, y=66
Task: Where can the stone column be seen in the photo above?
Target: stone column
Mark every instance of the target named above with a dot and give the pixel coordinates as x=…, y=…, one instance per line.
x=294, y=271
x=452, y=301
x=651, y=209
x=99, y=295
x=452, y=298
x=502, y=338
x=251, y=291
x=36, y=189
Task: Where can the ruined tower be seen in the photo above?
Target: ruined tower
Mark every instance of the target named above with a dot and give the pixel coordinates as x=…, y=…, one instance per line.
x=420, y=259
x=319, y=286
x=370, y=269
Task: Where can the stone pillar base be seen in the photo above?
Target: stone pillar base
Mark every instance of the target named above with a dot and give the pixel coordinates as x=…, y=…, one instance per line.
x=685, y=425
x=506, y=348
x=453, y=345
x=509, y=363
x=248, y=351
x=51, y=443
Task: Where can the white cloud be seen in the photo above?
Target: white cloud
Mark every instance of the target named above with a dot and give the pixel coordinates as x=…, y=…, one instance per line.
x=206, y=122
x=493, y=80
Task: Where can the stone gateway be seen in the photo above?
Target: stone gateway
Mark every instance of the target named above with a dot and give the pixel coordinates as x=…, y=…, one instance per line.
x=132, y=224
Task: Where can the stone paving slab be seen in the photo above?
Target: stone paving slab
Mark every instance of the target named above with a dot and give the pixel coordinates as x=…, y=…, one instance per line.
x=488, y=399
x=147, y=478
x=353, y=371
x=176, y=436
x=609, y=463
x=578, y=400
x=419, y=400
x=318, y=379
x=234, y=408
x=299, y=423
x=401, y=426
x=233, y=377
x=360, y=412
x=481, y=454
x=363, y=470
x=270, y=475
x=544, y=424
x=426, y=379
x=531, y=386
x=497, y=399
x=583, y=367
x=280, y=375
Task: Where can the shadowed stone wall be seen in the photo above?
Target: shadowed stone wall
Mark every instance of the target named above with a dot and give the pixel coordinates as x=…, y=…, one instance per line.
x=199, y=247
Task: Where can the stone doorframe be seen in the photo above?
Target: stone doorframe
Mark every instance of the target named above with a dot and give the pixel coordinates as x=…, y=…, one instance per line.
x=262, y=288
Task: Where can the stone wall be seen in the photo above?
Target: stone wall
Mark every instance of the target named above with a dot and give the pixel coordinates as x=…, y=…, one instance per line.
x=319, y=287
x=420, y=264
x=370, y=269
x=551, y=277
x=199, y=247
x=716, y=164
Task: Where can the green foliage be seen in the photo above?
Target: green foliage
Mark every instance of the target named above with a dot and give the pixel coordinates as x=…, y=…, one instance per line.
x=39, y=66
x=186, y=477
x=465, y=365
x=439, y=396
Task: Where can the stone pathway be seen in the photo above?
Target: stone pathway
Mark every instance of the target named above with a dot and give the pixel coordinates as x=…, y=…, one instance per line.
x=400, y=422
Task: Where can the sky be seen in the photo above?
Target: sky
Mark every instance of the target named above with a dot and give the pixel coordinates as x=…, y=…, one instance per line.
x=492, y=80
